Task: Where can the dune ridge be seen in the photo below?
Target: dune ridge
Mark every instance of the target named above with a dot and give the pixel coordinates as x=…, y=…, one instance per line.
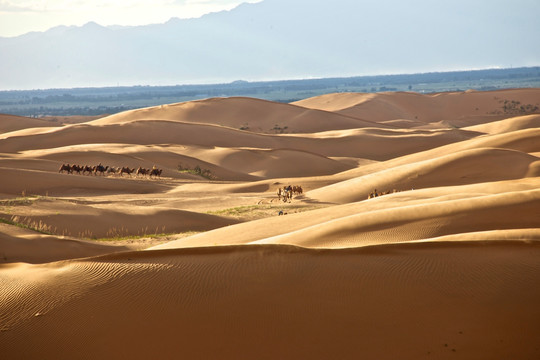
x=459, y=108
x=251, y=114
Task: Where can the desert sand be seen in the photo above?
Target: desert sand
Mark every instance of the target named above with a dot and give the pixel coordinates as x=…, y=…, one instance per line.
x=198, y=263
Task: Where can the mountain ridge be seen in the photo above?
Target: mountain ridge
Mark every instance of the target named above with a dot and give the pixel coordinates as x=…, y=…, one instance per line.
x=269, y=40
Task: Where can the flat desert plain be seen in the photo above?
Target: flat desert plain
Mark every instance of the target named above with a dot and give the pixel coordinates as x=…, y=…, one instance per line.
x=202, y=260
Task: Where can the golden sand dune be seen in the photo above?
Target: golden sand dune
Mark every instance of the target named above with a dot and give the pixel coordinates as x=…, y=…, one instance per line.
x=442, y=300
x=152, y=132
x=403, y=216
x=443, y=263
x=11, y=123
x=463, y=167
x=65, y=218
x=508, y=125
x=244, y=113
x=463, y=108
x=19, y=244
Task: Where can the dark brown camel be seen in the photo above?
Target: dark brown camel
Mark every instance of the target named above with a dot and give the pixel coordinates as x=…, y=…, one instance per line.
x=155, y=172
x=100, y=169
x=66, y=168
x=87, y=169
x=142, y=171
x=126, y=170
x=76, y=168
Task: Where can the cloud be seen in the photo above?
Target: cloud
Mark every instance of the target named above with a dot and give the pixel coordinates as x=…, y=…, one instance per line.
x=21, y=5
x=21, y=16
x=81, y=5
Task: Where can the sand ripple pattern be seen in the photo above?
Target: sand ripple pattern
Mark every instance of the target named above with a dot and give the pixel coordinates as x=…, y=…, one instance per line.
x=23, y=283
x=235, y=300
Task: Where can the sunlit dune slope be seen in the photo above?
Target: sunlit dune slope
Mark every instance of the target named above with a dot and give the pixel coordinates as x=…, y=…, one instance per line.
x=404, y=216
x=525, y=141
x=244, y=113
x=460, y=108
x=508, y=125
x=334, y=143
x=463, y=167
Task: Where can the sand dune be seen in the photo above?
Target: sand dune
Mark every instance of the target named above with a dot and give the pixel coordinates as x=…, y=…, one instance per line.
x=427, y=300
x=244, y=113
x=416, y=222
x=108, y=220
x=508, y=125
x=444, y=267
x=23, y=245
x=463, y=167
x=11, y=123
x=462, y=108
x=413, y=215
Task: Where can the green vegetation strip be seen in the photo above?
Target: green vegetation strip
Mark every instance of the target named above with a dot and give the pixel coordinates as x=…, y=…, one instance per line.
x=40, y=228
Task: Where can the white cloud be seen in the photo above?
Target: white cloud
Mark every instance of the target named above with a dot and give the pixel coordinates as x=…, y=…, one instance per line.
x=78, y=5
x=21, y=16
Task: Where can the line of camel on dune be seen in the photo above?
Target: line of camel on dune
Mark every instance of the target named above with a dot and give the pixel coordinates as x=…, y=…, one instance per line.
x=109, y=170
x=376, y=193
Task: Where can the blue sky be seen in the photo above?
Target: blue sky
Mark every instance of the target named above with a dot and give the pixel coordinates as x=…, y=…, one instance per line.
x=18, y=17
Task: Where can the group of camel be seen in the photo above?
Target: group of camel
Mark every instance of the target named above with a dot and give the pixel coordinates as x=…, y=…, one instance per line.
x=286, y=193
x=102, y=170
x=374, y=193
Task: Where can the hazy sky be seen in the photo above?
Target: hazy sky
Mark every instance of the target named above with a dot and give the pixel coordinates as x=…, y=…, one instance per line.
x=21, y=16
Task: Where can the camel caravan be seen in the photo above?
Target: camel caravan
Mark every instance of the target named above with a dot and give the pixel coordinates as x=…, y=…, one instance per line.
x=286, y=193
x=375, y=193
x=109, y=170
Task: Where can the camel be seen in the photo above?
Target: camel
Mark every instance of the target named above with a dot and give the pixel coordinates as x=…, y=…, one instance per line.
x=286, y=194
x=100, y=168
x=76, y=168
x=113, y=170
x=126, y=170
x=66, y=168
x=142, y=171
x=88, y=169
x=156, y=172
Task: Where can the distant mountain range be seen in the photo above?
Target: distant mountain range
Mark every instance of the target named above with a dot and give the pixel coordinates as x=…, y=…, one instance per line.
x=277, y=39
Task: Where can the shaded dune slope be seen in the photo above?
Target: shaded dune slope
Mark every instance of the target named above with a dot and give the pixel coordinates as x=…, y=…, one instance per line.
x=68, y=218
x=23, y=245
x=9, y=123
x=272, y=302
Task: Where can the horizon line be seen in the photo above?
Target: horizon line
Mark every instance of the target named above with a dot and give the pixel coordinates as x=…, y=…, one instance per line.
x=239, y=81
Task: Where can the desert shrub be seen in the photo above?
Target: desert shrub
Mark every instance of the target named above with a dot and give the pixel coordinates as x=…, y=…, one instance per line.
x=197, y=170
